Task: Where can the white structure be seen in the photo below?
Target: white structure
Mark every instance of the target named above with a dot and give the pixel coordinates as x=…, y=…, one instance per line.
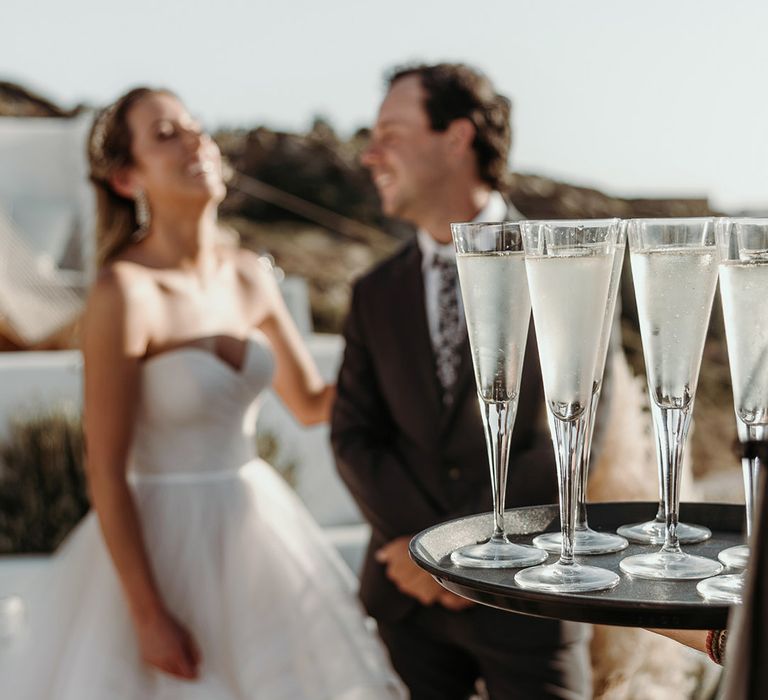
x=46, y=223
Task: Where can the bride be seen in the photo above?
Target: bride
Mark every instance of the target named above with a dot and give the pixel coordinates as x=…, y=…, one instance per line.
x=200, y=574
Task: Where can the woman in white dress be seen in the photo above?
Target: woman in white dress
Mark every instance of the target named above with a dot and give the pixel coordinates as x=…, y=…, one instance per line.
x=202, y=576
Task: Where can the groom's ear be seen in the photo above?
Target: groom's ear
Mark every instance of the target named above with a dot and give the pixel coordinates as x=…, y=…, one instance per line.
x=461, y=134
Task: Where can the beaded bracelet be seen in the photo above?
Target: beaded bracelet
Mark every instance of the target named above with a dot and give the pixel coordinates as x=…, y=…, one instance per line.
x=715, y=645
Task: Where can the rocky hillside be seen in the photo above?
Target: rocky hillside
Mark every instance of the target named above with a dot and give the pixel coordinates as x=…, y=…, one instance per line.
x=18, y=101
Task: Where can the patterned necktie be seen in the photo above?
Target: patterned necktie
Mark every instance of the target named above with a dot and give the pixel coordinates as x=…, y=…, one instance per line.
x=449, y=335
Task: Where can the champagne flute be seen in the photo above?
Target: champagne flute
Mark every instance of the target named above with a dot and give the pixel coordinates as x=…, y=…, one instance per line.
x=569, y=267
x=587, y=540
x=743, y=245
x=494, y=289
x=674, y=268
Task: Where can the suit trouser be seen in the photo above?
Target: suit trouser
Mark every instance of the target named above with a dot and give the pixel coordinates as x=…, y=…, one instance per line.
x=440, y=654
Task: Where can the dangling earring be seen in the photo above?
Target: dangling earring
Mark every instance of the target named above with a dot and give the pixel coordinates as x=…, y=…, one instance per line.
x=142, y=215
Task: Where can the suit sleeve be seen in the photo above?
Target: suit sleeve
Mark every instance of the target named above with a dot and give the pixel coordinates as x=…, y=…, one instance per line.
x=363, y=440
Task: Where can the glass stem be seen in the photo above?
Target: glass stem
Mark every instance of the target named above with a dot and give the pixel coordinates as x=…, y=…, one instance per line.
x=661, y=516
x=498, y=420
x=568, y=437
x=671, y=426
x=581, y=485
x=751, y=470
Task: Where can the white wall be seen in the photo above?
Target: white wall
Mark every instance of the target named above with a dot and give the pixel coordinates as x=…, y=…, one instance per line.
x=44, y=182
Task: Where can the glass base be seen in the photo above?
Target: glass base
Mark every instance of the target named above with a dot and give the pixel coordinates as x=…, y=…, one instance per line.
x=654, y=532
x=735, y=557
x=584, y=542
x=722, y=589
x=572, y=578
x=497, y=555
x=670, y=566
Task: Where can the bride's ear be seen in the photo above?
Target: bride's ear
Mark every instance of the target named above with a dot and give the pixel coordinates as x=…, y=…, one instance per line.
x=122, y=182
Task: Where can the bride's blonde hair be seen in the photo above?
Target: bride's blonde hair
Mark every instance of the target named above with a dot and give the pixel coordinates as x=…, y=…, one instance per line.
x=110, y=149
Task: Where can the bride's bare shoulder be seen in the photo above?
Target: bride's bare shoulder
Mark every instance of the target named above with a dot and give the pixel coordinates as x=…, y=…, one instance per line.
x=122, y=307
x=123, y=282
x=256, y=272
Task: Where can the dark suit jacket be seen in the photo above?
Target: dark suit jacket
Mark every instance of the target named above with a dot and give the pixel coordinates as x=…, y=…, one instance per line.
x=409, y=463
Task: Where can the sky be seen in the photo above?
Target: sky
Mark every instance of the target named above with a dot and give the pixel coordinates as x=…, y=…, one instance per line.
x=636, y=97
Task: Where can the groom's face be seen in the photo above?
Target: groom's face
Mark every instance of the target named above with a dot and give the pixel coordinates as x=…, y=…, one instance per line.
x=407, y=159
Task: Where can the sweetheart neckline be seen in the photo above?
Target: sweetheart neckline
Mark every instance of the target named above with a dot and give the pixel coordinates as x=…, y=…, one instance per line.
x=249, y=341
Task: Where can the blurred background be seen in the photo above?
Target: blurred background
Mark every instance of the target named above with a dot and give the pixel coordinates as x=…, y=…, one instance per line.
x=619, y=109
x=634, y=108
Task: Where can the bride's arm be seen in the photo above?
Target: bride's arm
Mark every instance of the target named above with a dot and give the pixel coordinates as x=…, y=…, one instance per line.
x=114, y=340
x=297, y=380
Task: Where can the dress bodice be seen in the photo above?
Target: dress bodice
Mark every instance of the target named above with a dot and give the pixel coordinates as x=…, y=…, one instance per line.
x=196, y=413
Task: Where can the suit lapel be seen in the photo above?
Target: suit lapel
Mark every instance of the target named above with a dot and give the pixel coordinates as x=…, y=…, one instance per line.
x=413, y=329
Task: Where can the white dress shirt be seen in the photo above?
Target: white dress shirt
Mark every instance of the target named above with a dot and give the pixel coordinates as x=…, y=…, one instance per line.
x=496, y=209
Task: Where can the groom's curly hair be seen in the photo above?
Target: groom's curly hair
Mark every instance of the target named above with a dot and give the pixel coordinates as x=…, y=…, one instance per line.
x=457, y=91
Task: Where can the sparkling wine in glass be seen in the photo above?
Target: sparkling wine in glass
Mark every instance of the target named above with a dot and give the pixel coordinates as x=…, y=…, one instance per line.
x=655, y=531
x=674, y=269
x=494, y=289
x=569, y=267
x=743, y=245
x=587, y=540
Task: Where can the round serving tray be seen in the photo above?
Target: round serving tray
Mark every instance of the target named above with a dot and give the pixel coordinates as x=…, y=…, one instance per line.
x=632, y=603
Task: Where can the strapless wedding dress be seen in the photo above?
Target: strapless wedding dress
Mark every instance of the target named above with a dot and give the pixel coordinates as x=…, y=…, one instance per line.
x=238, y=560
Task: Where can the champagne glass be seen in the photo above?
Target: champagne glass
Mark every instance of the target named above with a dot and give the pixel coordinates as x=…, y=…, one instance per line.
x=569, y=267
x=743, y=245
x=494, y=289
x=655, y=531
x=587, y=540
x=674, y=268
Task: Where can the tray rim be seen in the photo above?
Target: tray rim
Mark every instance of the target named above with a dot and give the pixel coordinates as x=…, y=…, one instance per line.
x=578, y=607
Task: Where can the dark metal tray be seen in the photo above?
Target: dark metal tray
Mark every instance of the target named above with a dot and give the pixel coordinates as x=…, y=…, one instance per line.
x=632, y=603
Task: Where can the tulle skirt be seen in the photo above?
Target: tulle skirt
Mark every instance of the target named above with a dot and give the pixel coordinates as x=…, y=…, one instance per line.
x=242, y=565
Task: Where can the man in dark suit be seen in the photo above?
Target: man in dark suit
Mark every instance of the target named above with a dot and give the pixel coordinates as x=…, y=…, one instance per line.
x=406, y=427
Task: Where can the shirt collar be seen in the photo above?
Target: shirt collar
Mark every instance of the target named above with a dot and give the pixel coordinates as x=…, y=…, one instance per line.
x=495, y=209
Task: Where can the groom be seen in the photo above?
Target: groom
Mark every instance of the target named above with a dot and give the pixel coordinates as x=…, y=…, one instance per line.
x=406, y=427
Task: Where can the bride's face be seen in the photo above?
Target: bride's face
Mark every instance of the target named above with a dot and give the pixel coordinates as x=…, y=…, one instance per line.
x=174, y=159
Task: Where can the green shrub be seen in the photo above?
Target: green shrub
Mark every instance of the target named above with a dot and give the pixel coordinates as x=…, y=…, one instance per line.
x=42, y=481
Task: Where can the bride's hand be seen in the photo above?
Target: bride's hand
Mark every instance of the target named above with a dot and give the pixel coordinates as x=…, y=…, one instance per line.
x=166, y=645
